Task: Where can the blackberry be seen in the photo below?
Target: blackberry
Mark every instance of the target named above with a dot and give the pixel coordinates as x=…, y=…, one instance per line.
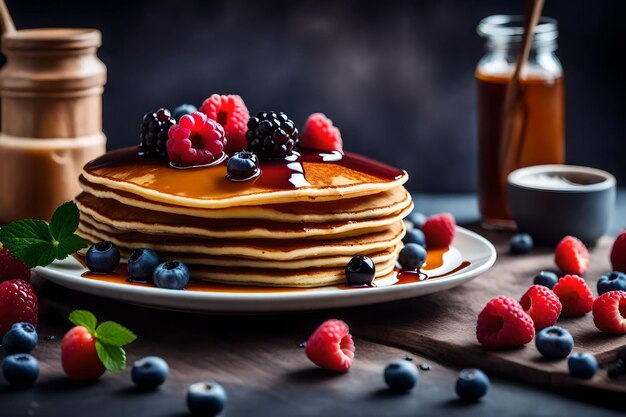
x=272, y=135
x=154, y=134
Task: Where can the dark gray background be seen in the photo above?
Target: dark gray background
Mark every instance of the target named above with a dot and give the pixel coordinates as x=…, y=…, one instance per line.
x=395, y=76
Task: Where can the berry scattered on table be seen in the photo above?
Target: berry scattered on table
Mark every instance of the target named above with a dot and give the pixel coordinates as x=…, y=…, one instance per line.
x=196, y=140
x=206, y=399
x=142, y=263
x=182, y=110
x=79, y=357
x=401, y=376
x=576, y=297
x=103, y=257
x=88, y=349
x=243, y=166
x=231, y=112
x=617, y=368
x=571, y=256
x=173, y=275
x=554, y=342
x=612, y=281
x=417, y=219
x=582, y=365
x=21, y=338
x=12, y=267
x=504, y=323
x=608, y=312
x=149, y=372
x=472, y=384
x=618, y=253
x=521, y=244
x=412, y=256
x=360, y=271
x=18, y=303
x=542, y=305
x=439, y=230
x=20, y=370
x=546, y=278
x=319, y=133
x=153, y=133
x=414, y=236
x=272, y=135
x=331, y=346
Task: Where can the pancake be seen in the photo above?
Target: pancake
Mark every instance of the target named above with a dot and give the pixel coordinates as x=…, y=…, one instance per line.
x=296, y=225
x=114, y=217
x=265, y=249
x=309, y=277
x=353, y=176
x=364, y=207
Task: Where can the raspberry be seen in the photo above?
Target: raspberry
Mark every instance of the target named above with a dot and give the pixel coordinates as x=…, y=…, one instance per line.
x=78, y=355
x=618, y=253
x=18, y=303
x=196, y=140
x=319, y=133
x=575, y=296
x=609, y=312
x=272, y=135
x=331, y=346
x=153, y=133
x=12, y=267
x=439, y=230
x=230, y=112
x=571, y=256
x=504, y=323
x=542, y=305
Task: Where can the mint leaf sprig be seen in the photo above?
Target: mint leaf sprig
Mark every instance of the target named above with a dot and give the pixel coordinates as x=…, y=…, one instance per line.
x=110, y=337
x=38, y=243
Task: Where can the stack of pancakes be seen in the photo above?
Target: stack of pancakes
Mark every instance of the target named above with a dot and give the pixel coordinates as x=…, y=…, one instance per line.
x=251, y=233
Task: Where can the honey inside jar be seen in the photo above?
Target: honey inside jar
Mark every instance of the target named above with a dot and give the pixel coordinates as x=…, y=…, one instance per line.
x=541, y=109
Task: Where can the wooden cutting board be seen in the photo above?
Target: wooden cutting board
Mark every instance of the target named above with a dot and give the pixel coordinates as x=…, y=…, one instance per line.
x=442, y=326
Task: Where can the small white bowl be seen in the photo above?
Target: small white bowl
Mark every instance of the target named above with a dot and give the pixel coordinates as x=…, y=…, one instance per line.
x=553, y=201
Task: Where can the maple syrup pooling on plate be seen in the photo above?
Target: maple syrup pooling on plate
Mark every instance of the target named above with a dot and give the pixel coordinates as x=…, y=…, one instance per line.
x=120, y=276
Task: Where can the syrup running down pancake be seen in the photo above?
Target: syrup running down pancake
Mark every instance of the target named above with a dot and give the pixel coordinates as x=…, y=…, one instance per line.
x=293, y=226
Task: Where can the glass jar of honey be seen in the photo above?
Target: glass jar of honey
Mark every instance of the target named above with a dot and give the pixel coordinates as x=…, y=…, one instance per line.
x=541, y=108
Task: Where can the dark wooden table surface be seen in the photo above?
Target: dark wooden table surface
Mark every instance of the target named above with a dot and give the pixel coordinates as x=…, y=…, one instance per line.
x=258, y=361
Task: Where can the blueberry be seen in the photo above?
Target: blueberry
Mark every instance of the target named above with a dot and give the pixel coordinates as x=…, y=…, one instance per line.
x=149, y=372
x=521, y=244
x=183, y=109
x=142, y=263
x=612, y=281
x=412, y=256
x=401, y=375
x=582, y=365
x=103, y=257
x=360, y=271
x=21, y=338
x=554, y=342
x=472, y=384
x=206, y=398
x=415, y=236
x=173, y=275
x=20, y=370
x=243, y=166
x=417, y=219
x=546, y=278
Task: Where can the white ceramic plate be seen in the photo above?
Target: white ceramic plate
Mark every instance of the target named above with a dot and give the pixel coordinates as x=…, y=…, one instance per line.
x=467, y=246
